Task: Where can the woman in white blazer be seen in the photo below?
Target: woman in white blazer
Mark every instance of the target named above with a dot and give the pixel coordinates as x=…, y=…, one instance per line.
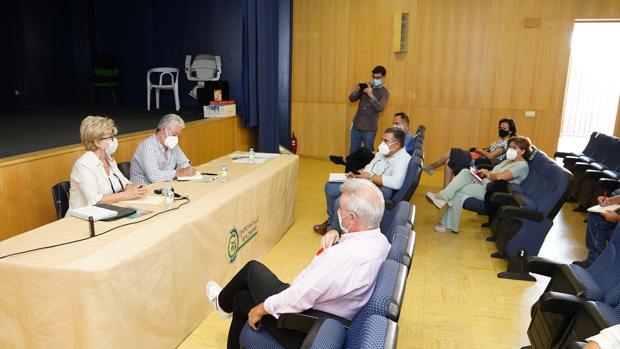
x=95, y=177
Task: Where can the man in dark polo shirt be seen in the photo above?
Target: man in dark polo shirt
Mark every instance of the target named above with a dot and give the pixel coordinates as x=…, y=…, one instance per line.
x=372, y=101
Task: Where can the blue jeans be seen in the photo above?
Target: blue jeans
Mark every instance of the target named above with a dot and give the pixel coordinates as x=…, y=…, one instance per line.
x=596, y=235
x=332, y=196
x=358, y=136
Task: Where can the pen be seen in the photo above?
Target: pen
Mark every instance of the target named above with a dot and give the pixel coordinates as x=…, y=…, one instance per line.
x=604, y=197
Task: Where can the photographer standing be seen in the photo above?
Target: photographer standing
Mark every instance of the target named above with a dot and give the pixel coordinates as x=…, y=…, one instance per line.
x=372, y=96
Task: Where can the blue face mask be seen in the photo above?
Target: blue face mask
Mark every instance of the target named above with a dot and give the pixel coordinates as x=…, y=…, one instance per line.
x=376, y=82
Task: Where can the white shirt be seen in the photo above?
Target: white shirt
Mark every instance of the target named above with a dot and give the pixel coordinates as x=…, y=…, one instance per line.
x=609, y=338
x=89, y=181
x=338, y=281
x=391, y=169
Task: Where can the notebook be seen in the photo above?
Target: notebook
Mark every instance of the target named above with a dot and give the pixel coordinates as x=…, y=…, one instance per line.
x=602, y=209
x=120, y=211
x=337, y=177
x=98, y=213
x=473, y=173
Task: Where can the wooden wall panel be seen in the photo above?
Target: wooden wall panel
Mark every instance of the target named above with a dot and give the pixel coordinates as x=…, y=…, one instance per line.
x=26, y=180
x=319, y=127
x=469, y=64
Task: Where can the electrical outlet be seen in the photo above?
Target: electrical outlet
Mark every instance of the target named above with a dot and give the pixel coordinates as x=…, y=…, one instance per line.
x=530, y=113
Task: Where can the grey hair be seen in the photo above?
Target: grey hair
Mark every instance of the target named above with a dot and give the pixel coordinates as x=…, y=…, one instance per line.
x=365, y=200
x=167, y=120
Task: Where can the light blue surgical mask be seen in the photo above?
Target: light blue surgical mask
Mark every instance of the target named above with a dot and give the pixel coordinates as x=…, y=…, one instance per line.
x=376, y=82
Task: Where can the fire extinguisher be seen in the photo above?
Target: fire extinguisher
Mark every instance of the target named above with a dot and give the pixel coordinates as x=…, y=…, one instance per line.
x=294, y=143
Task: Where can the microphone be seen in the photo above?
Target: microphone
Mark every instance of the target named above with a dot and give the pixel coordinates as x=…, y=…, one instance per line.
x=91, y=225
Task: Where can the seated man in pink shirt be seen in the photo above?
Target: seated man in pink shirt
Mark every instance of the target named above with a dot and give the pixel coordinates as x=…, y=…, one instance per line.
x=339, y=280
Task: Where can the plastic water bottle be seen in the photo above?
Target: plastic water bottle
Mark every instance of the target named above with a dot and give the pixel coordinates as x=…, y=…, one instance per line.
x=168, y=193
x=472, y=164
x=252, y=156
x=223, y=173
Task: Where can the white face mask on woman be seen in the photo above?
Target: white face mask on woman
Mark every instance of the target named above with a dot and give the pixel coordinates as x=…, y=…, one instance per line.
x=112, y=146
x=171, y=141
x=511, y=154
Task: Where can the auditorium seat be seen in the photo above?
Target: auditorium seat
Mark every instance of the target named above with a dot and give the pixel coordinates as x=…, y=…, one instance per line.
x=402, y=214
x=596, y=283
x=60, y=193
x=520, y=231
x=125, y=168
x=414, y=171
x=386, y=301
x=403, y=245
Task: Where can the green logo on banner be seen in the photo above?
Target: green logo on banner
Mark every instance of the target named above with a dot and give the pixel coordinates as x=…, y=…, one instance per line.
x=238, y=239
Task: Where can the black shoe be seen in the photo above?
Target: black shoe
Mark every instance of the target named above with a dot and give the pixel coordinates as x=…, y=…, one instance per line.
x=338, y=160
x=584, y=263
x=486, y=225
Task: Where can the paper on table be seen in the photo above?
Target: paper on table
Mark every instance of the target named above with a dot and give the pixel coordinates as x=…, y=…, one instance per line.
x=245, y=160
x=602, y=209
x=147, y=200
x=195, y=177
x=337, y=177
x=241, y=154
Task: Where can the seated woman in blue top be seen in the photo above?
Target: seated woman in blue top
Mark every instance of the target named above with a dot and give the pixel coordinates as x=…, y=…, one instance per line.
x=467, y=184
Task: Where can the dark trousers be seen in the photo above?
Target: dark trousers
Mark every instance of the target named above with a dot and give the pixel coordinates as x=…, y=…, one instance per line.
x=249, y=287
x=358, y=159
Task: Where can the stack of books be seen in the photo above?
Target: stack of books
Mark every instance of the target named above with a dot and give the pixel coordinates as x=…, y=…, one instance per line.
x=218, y=109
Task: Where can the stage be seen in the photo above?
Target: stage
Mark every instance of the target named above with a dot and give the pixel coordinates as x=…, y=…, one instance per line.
x=38, y=129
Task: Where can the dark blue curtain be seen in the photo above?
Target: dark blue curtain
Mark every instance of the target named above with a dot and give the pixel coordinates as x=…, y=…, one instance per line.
x=266, y=71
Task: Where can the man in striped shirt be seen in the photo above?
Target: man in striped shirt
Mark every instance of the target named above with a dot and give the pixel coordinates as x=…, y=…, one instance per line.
x=159, y=157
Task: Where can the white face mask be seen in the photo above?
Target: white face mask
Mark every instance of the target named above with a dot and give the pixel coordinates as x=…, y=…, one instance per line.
x=511, y=154
x=398, y=126
x=112, y=146
x=171, y=141
x=340, y=218
x=384, y=148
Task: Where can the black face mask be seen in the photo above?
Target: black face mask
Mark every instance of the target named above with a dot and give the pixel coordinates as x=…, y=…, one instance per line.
x=503, y=133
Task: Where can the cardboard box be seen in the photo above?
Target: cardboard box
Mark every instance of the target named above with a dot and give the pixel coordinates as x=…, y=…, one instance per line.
x=218, y=111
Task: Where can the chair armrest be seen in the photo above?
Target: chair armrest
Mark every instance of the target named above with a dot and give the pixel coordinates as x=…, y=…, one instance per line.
x=575, y=345
x=583, y=165
x=609, y=184
x=597, y=166
x=298, y=322
x=594, y=173
x=503, y=199
x=542, y=266
x=303, y=322
x=561, y=154
x=391, y=338
x=571, y=159
x=611, y=174
x=519, y=212
x=555, y=302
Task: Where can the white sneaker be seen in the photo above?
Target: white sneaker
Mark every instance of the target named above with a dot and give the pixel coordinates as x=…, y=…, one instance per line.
x=440, y=228
x=435, y=200
x=428, y=170
x=213, y=291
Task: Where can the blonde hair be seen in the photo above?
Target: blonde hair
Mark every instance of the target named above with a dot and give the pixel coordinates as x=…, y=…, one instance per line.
x=95, y=127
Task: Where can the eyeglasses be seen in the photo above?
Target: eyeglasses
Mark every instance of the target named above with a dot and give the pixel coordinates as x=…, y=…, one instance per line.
x=104, y=138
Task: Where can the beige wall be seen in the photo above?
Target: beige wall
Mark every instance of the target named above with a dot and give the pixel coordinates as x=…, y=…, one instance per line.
x=470, y=62
x=26, y=180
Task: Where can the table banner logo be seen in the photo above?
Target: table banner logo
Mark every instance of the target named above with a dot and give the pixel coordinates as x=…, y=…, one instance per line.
x=237, y=239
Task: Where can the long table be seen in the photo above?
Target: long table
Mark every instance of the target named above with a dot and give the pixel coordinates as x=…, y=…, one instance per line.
x=142, y=285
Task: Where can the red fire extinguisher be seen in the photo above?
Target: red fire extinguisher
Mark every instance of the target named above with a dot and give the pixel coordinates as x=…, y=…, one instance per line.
x=294, y=143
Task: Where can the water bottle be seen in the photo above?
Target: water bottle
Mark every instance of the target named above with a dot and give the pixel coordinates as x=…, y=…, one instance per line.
x=252, y=156
x=223, y=173
x=472, y=165
x=168, y=197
